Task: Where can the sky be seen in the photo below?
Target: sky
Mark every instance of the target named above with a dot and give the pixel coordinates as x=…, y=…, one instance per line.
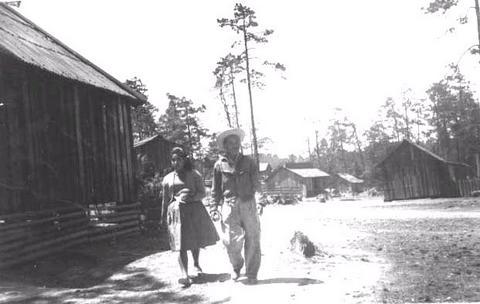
x=349, y=54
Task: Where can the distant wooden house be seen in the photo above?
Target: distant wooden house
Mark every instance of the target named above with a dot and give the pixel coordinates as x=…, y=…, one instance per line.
x=411, y=171
x=65, y=129
x=153, y=155
x=264, y=169
x=309, y=180
x=348, y=183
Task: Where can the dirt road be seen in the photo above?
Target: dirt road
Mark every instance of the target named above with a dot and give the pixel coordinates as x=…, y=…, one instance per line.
x=369, y=252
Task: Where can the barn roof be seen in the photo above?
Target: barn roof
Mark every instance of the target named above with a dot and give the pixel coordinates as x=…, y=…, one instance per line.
x=430, y=153
x=27, y=42
x=149, y=140
x=299, y=165
x=309, y=172
x=350, y=178
x=301, y=172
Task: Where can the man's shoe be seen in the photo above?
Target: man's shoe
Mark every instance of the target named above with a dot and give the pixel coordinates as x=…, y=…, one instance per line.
x=251, y=281
x=185, y=282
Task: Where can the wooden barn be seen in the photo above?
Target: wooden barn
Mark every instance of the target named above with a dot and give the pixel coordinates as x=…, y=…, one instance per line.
x=310, y=181
x=411, y=171
x=348, y=183
x=66, y=145
x=153, y=155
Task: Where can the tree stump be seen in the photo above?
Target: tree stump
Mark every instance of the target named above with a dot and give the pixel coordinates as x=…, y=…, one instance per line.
x=302, y=244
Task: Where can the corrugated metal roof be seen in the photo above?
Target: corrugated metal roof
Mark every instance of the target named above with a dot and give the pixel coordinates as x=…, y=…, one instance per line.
x=350, y=178
x=23, y=39
x=309, y=173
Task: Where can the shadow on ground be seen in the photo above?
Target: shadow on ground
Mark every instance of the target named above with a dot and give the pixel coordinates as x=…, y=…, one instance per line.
x=135, y=285
x=298, y=281
x=84, y=266
x=211, y=278
x=100, y=272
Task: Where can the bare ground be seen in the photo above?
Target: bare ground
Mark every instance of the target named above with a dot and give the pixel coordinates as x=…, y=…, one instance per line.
x=368, y=252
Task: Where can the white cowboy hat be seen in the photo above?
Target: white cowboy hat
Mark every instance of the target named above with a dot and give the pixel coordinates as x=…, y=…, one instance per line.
x=221, y=137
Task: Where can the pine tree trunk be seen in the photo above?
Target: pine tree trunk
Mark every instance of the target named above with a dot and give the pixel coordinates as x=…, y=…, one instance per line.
x=225, y=107
x=477, y=12
x=232, y=83
x=254, y=133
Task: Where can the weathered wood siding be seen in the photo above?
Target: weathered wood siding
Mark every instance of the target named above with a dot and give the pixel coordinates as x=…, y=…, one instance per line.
x=61, y=141
x=154, y=154
x=284, y=178
x=411, y=173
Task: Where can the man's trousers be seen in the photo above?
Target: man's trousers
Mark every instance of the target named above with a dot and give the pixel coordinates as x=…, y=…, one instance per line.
x=241, y=227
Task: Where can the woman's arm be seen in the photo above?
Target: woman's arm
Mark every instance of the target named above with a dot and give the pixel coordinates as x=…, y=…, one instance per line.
x=199, y=191
x=165, y=201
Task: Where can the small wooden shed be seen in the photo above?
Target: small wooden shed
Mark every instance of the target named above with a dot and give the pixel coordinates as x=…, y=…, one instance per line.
x=153, y=155
x=312, y=181
x=348, y=183
x=410, y=171
x=66, y=141
x=264, y=169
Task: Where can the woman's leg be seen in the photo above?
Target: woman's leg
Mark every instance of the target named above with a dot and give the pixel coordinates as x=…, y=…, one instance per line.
x=196, y=260
x=183, y=262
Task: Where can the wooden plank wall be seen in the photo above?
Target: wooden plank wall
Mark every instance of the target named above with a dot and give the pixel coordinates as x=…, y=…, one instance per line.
x=30, y=235
x=412, y=173
x=61, y=142
x=467, y=186
x=284, y=178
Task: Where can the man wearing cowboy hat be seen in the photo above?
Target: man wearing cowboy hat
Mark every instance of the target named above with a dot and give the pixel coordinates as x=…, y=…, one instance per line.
x=235, y=180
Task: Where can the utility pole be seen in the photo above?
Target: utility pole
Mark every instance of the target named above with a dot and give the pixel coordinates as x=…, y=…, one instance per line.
x=317, y=148
x=309, y=151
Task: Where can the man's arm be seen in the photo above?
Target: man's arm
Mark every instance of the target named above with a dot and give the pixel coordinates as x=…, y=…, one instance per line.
x=217, y=193
x=254, y=176
x=257, y=187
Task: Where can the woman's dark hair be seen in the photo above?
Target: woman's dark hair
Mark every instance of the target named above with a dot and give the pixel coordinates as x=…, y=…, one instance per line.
x=187, y=165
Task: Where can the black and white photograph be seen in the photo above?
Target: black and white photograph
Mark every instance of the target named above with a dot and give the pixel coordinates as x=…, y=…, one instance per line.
x=239, y=151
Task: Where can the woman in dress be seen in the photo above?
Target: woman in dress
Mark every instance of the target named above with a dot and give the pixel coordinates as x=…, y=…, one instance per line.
x=189, y=225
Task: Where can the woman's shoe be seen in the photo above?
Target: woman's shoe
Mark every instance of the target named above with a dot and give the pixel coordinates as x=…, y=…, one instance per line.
x=199, y=271
x=236, y=274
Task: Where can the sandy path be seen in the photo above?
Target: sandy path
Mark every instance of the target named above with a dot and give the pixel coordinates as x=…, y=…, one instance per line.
x=342, y=274
x=351, y=267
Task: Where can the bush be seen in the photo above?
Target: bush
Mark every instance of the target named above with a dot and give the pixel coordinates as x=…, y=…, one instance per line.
x=150, y=198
